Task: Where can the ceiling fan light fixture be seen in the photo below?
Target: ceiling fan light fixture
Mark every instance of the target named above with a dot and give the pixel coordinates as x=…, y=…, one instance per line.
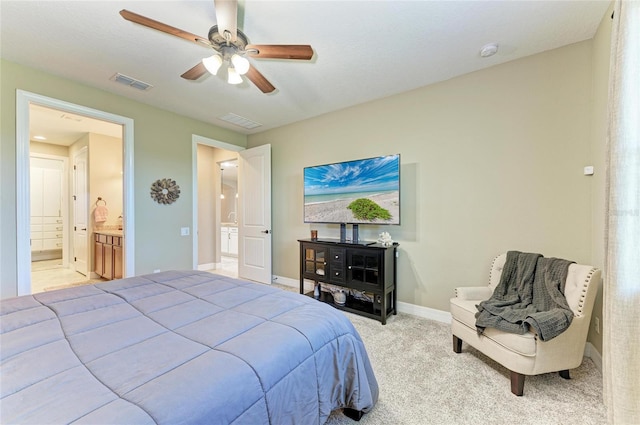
x=227, y=41
x=233, y=76
x=240, y=63
x=212, y=63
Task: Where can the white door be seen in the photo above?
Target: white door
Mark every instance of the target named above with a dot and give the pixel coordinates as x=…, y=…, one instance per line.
x=80, y=212
x=52, y=195
x=46, y=193
x=254, y=209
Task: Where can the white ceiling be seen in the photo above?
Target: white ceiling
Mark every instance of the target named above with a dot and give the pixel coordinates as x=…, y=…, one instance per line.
x=64, y=128
x=363, y=50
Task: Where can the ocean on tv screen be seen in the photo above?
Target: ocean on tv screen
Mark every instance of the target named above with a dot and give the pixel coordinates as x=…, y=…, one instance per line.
x=359, y=192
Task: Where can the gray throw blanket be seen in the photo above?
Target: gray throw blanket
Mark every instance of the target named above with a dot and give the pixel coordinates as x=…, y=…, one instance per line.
x=530, y=295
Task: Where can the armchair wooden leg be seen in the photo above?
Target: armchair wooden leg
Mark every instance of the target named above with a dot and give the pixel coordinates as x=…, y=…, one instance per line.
x=517, y=383
x=457, y=344
x=565, y=374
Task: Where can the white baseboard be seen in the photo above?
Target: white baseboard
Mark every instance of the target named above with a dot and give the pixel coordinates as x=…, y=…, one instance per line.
x=281, y=280
x=285, y=281
x=425, y=312
x=591, y=352
x=206, y=266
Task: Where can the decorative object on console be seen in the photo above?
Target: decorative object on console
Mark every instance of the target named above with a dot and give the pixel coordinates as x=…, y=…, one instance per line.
x=339, y=296
x=385, y=239
x=314, y=234
x=165, y=191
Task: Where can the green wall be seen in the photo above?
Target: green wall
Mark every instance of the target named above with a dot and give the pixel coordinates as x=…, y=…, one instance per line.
x=162, y=148
x=491, y=161
x=600, y=94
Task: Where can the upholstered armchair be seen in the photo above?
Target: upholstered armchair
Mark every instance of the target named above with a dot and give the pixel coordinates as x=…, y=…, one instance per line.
x=527, y=354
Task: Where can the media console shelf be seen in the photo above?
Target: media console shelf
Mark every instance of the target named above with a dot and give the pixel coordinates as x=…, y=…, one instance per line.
x=360, y=266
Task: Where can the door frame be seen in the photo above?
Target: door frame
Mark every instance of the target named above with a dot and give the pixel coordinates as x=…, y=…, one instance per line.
x=23, y=250
x=195, y=141
x=84, y=208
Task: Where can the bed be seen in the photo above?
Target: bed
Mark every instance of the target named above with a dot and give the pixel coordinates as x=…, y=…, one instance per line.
x=179, y=347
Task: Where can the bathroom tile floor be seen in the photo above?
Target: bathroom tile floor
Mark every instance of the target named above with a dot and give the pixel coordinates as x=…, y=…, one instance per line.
x=228, y=267
x=48, y=275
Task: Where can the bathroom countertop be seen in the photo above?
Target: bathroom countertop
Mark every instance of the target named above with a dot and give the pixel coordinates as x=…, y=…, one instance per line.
x=109, y=232
x=229, y=224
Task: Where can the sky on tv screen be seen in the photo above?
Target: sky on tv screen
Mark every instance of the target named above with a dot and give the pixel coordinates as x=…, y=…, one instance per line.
x=379, y=174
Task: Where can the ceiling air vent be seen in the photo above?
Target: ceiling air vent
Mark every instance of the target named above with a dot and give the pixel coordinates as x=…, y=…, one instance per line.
x=131, y=82
x=240, y=121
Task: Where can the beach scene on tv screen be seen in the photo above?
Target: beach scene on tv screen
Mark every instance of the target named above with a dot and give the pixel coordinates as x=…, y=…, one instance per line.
x=357, y=192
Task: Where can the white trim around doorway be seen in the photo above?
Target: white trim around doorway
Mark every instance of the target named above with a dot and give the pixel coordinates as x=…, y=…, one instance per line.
x=23, y=250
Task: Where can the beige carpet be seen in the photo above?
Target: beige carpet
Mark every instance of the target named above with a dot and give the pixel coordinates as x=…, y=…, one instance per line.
x=422, y=381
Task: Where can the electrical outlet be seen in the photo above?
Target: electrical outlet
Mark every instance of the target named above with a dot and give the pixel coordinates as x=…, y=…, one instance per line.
x=597, y=324
x=184, y=231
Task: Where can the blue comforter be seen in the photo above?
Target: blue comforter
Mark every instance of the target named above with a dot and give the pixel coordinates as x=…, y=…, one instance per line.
x=179, y=347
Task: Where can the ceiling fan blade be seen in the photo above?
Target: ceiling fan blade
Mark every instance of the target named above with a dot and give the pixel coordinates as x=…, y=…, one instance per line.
x=196, y=72
x=258, y=79
x=148, y=22
x=227, y=17
x=281, y=51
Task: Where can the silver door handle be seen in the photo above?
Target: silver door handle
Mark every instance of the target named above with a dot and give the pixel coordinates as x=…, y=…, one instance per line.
x=265, y=231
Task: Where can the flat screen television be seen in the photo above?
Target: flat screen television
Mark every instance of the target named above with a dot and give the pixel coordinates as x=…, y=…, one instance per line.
x=363, y=191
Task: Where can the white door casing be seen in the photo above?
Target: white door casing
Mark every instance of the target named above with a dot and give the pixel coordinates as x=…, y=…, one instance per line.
x=80, y=212
x=254, y=209
x=23, y=251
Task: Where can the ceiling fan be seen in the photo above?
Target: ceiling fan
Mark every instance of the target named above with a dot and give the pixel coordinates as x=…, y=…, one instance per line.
x=230, y=45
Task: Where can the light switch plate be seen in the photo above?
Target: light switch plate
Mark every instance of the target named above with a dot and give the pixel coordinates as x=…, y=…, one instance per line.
x=588, y=170
x=184, y=231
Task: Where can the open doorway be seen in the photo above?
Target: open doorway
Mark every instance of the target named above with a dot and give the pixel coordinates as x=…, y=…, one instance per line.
x=49, y=228
x=217, y=201
x=228, y=199
x=253, y=211
x=60, y=196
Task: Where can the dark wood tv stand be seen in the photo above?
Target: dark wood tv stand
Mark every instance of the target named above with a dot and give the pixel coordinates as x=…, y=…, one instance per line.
x=359, y=266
